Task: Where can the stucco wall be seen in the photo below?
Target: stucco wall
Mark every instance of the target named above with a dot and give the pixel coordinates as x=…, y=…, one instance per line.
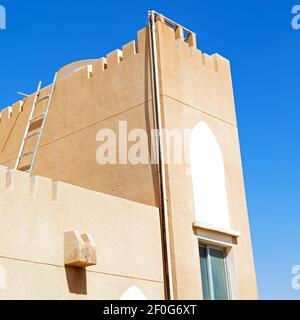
x=194, y=87
x=197, y=87
x=119, y=90
x=34, y=213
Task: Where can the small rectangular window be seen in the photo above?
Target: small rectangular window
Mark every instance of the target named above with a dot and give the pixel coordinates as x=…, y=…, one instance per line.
x=213, y=273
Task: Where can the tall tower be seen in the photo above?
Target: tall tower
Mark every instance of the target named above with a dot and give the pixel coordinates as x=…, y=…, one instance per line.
x=207, y=246
x=206, y=200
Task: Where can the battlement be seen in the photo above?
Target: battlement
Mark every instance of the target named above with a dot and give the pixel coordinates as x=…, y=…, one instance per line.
x=118, y=203
x=38, y=187
x=35, y=215
x=182, y=45
x=94, y=94
x=22, y=184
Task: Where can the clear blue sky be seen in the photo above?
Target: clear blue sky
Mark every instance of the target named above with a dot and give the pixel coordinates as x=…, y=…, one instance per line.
x=264, y=50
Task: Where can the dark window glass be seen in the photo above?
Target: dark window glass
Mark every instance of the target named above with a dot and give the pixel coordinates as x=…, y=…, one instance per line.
x=218, y=272
x=204, y=273
x=213, y=273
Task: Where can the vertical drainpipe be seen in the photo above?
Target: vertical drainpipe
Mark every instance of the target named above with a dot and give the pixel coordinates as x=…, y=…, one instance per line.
x=164, y=216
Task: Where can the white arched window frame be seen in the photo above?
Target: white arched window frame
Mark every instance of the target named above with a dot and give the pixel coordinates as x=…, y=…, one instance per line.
x=133, y=293
x=208, y=178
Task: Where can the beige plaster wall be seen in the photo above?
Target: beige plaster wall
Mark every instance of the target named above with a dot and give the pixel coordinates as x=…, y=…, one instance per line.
x=34, y=213
x=119, y=90
x=194, y=87
x=197, y=87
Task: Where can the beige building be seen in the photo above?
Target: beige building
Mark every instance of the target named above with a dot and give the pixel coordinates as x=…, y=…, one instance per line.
x=73, y=226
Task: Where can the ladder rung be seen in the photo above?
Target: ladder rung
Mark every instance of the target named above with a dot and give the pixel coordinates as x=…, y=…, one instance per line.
x=35, y=122
x=37, y=117
x=45, y=97
x=27, y=154
x=25, y=168
x=32, y=135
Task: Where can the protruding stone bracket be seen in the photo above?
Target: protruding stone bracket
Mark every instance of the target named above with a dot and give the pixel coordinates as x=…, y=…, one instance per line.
x=80, y=249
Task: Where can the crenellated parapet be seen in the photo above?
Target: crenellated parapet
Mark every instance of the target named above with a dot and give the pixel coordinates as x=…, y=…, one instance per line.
x=10, y=114
x=49, y=228
x=182, y=44
x=97, y=93
x=22, y=184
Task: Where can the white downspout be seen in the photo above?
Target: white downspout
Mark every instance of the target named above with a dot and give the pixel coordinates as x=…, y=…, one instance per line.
x=161, y=158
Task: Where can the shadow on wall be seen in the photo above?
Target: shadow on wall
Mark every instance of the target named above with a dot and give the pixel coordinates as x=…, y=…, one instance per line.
x=76, y=278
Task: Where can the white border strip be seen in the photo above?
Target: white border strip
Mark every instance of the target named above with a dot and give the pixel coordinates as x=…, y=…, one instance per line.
x=202, y=225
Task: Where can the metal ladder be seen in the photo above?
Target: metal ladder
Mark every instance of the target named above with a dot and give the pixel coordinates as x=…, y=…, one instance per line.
x=34, y=128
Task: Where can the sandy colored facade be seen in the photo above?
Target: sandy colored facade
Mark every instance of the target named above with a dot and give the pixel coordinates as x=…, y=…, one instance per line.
x=35, y=213
x=118, y=203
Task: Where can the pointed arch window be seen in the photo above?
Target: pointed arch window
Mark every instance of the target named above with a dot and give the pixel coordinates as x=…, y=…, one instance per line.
x=133, y=293
x=208, y=178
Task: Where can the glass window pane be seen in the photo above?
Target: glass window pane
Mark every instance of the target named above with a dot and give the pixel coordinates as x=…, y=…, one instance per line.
x=204, y=272
x=218, y=273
